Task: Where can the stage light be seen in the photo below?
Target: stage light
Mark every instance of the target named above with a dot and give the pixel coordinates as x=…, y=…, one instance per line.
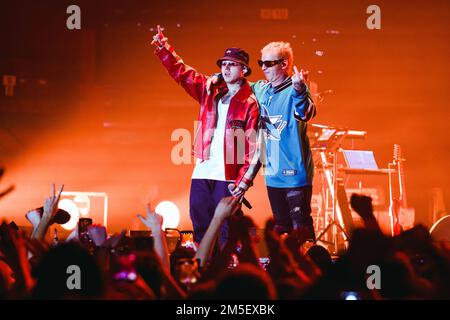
x=71, y=207
x=170, y=213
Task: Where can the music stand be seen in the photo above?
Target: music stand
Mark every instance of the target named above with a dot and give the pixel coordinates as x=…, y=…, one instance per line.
x=330, y=141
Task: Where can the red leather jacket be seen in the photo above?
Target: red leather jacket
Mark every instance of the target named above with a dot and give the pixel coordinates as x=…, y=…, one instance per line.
x=242, y=119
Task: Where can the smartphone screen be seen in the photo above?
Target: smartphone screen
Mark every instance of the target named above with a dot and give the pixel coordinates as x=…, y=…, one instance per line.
x=83, y=224
x=187, y=238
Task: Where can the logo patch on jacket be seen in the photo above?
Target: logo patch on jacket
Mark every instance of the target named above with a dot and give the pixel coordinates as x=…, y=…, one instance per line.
x=272, y=125
x=237, y=124
x=289, y=172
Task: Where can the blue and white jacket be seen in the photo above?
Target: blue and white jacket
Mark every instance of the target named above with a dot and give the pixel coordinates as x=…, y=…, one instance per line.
x=284, y=113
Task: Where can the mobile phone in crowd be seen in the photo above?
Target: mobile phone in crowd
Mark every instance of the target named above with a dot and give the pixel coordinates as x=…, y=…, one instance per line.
x=83, y=224
x=350, y=295
x=187, y=239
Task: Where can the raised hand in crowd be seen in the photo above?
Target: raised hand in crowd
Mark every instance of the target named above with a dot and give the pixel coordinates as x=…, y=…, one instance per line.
x=50, y=209
x=226, y=207
x=236, y=191
x=363, y=206
x=154, y=222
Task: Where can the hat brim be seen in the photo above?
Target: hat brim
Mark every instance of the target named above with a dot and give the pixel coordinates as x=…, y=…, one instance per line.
x=249, y=70
x=61, y=217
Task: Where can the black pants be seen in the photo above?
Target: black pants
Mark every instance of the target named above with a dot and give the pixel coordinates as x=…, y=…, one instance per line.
x=291, y=208
x=204, y=197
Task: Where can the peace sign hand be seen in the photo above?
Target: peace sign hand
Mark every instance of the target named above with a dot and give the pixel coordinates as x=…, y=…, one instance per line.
x=51, y=204
x=153, y=221
x=299, y=78
x=159, y=39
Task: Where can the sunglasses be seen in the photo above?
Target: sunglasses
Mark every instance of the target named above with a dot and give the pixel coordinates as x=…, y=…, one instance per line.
x=229, y=63
x=269, y=63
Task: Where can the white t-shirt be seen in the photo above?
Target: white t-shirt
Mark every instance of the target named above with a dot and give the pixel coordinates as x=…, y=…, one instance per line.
x=214, y=167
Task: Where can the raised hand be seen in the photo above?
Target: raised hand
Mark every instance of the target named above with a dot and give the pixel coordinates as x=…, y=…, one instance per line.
x=51, y=204
x=299, y=78
x=50, y=209
x=362, y=205
x=236, y=191
x=213, y=80
x=34, y=217
x=226, y=207
x=159, y=39
x=153, y=221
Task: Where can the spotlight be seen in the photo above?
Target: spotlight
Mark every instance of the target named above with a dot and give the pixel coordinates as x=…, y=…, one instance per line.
x=170, y=213
x=71, y=207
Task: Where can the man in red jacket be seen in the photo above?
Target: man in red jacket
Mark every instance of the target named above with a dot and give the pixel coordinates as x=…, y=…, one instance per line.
x=225, y=142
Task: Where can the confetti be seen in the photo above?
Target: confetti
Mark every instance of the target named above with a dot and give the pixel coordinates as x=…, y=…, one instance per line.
x=330, y=31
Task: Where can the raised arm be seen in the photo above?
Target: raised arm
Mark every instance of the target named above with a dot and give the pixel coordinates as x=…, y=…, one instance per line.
x=305, y=108
x=50, y=208
x=226, y=207
x=193, y=82
x=154, y=222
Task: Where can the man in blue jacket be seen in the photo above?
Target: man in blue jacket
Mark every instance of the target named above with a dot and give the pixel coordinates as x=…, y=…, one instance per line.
x=285, y=108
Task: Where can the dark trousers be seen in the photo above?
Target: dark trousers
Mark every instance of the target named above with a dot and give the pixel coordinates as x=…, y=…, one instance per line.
x=204, y=197
x=291, y=208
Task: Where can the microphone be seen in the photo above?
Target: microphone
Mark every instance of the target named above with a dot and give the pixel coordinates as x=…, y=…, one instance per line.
x=243, y=200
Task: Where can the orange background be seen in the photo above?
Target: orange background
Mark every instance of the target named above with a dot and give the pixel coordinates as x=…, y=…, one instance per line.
x=94, y=109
